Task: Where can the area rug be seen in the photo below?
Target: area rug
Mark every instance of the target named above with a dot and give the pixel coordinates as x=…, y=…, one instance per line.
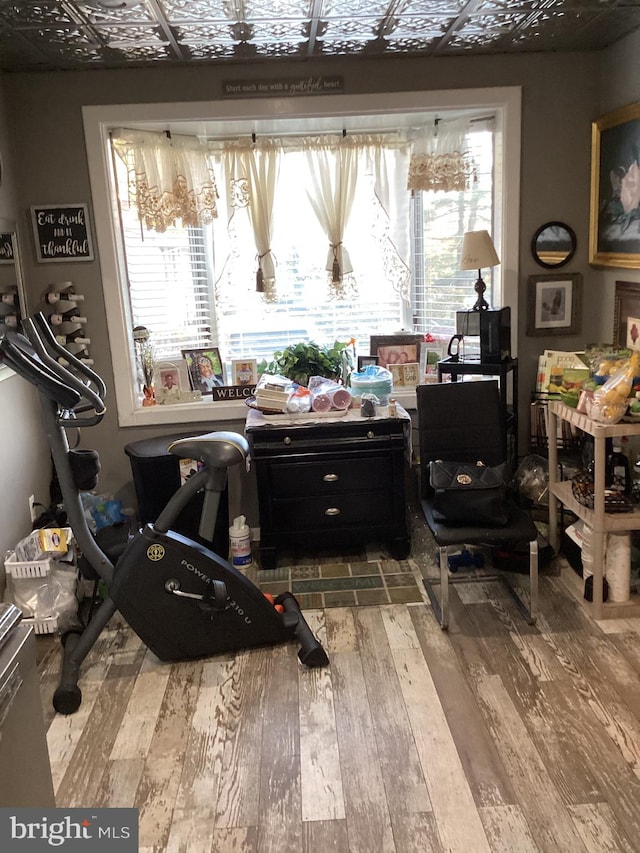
x=345, y=584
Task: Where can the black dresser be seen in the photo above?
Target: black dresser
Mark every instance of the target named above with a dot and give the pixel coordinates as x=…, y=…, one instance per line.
x=336, y=483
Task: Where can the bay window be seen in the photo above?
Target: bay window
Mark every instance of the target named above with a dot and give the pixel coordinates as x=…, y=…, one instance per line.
x=299, y=235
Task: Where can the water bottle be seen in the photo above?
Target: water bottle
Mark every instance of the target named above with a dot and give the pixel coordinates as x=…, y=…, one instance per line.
x=618, y=476
x=240, y=540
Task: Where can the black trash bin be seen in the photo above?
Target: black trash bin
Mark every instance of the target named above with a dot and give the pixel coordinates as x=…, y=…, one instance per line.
x=156, y=476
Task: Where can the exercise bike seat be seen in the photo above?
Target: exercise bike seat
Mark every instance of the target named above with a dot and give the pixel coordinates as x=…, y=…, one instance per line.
x=215, y=449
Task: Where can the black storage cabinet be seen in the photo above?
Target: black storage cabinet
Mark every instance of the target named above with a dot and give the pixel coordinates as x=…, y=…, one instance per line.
x=156, y=476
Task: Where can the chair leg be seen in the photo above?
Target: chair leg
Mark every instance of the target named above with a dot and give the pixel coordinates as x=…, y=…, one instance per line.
x=533, y=581
x=440, y=608
x=530, y=613
x=444, y=587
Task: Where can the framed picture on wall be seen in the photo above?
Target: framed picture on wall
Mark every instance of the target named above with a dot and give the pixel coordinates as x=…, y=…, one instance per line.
x=626, y=314
x=614, y=235
x=554, y=304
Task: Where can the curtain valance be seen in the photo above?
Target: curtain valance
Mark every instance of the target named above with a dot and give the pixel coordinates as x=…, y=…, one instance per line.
x=170, y=178
x=440, y=158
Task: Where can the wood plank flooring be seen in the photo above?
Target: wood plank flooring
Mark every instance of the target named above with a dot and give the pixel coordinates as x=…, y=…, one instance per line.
x=495, y=736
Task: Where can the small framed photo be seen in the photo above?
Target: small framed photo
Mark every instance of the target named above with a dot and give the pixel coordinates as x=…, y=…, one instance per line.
x=554, y=303
x=205, y=369
x=244, y=371
x=365, y=360
x=395, y=349
x=405, y=375
x=626, y=315
x=431, y=352
x=169, y=375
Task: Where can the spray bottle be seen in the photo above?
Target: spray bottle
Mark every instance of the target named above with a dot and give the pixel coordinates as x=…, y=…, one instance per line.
x=240, y=538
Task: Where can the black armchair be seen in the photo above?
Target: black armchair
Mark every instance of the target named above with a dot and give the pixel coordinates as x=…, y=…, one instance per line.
x=464, y=421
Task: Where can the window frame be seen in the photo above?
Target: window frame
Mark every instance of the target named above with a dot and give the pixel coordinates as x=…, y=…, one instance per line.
x=269, y=114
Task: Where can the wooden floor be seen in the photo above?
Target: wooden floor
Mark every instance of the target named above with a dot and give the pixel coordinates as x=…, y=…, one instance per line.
x=495, y=736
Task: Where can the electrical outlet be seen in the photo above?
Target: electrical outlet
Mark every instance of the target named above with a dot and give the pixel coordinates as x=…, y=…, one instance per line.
x=33, y=512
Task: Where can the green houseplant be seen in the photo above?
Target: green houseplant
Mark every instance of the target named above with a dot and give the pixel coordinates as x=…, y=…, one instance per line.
x=300, y=361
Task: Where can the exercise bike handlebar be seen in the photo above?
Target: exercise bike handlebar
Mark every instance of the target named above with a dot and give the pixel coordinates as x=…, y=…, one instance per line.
x=44, y=342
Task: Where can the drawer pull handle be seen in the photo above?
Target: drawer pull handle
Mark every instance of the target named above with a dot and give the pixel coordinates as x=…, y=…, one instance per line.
x=371, y=434
x=333, y=510
x=331, y=478
x=287, y=440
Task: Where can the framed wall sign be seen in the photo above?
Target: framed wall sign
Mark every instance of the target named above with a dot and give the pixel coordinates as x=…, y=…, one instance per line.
x=6, y=249
x=614, y=227
x=554, y=304
x=61, y=233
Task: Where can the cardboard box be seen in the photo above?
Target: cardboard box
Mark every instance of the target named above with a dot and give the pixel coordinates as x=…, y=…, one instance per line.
x=48, y=542
x=560, y=371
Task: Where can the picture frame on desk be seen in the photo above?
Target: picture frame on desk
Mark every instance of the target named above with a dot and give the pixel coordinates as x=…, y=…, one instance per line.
x=205, y=369
x=395, y=349
x=554, y=304
x=365, y=361
x=615, y=203
x=244, y=371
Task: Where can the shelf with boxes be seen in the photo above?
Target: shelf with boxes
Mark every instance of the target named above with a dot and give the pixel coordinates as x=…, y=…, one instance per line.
x=598, y=520
x=42, y=579
x=64, y=312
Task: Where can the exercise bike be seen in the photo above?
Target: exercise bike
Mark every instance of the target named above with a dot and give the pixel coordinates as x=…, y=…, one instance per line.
x=183, y=600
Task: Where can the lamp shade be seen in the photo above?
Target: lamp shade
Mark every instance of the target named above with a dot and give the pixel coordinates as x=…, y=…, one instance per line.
x=477, y=251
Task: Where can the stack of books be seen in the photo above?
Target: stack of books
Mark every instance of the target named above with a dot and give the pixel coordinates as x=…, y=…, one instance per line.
x=272, y=393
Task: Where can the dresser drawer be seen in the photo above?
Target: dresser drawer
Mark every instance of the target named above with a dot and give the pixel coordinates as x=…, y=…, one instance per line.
x=326, y=513
x=329, y=476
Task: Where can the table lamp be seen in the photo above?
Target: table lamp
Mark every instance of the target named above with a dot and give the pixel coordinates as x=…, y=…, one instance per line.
x=477, y=252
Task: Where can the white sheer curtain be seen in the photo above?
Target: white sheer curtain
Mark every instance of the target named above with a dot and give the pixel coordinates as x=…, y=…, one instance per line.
x=389, y=166
x=171, y=179
x=440, y=158
x=333, y=167
x=253, y=174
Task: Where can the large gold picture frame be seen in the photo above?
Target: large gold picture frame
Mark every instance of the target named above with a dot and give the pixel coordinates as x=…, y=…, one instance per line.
x=614, y=230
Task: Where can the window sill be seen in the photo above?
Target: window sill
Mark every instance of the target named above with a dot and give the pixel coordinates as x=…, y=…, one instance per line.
x=185, y=413
x=206, y=412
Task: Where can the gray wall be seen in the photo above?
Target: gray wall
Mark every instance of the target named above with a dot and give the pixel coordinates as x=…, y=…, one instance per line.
x=562, y=94
x=24, y=456
x=619, y=85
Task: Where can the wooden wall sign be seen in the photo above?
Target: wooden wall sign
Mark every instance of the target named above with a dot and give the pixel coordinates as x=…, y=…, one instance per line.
x=283, y=87
x=61, y=232
x=6, y=249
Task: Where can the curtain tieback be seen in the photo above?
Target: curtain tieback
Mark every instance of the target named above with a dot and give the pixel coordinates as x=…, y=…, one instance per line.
x=335, y=269
x=260, y=273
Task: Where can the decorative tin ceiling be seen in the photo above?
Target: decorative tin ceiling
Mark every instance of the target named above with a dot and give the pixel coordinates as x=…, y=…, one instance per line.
x=65, y=34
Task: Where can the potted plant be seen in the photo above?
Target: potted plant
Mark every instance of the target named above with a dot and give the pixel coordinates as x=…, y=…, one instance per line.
x=300, y=361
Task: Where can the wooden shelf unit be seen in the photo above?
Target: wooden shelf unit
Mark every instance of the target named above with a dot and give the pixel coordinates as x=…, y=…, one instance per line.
x=597, y=519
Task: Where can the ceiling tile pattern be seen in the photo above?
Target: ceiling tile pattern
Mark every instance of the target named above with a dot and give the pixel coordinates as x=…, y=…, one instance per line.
x=67, y=34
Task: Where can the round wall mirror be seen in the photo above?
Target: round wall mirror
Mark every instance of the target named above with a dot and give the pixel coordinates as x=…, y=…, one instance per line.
x=553, y=244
